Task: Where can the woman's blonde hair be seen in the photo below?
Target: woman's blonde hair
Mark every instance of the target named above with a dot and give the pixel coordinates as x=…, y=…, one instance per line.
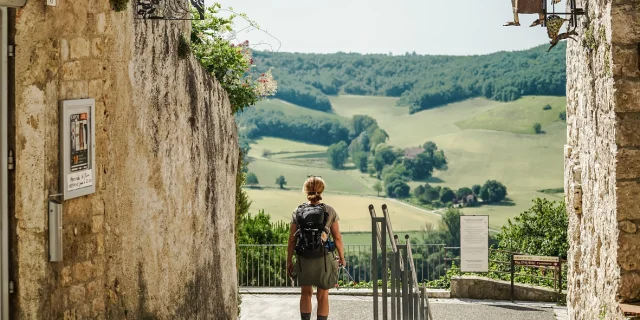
x=313, y=187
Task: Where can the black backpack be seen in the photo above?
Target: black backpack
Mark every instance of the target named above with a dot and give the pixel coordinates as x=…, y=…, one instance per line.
x=312, y=223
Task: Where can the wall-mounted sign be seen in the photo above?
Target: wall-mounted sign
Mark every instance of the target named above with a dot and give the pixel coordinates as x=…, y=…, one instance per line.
x=521, y=260
x=474, y=243
x=52, y=3
x=77, y=148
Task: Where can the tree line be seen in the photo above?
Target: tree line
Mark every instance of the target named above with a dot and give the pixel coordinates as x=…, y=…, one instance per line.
x=421, y=82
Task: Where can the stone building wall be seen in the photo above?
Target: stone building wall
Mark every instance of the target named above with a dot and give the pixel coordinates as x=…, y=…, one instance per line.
x=156, y=239
x=602, y=159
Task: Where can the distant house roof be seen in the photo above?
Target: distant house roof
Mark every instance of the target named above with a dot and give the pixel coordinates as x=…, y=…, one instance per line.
x=412, y=153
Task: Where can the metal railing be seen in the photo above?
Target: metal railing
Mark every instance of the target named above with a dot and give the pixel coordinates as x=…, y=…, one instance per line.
x=264, y=265
x=408, y=299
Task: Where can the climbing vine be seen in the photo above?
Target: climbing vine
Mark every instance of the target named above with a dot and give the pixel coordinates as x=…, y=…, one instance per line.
x=214, y=43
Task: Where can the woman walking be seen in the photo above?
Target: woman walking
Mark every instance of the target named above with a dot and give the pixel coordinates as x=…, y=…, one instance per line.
x=311, y=225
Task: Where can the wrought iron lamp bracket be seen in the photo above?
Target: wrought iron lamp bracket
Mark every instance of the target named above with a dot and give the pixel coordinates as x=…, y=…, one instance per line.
x=170, y=9
x=573, y=15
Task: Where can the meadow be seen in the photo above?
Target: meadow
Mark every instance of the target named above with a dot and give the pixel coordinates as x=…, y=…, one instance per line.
x=482, y=140
x=352, y=210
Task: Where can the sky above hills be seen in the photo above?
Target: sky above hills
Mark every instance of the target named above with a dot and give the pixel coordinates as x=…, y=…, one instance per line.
x=449, y=27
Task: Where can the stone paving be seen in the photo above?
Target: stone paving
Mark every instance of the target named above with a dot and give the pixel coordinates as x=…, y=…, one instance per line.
x=284, y=305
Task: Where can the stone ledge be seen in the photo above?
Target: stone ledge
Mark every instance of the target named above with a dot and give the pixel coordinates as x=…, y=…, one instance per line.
x=474, y=287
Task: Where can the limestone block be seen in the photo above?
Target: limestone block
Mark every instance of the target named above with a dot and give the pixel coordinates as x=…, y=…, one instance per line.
x=627, y=125
x=628, y=249
x=628, y=164
x=629, y=289
x=82, y=271
x=80, y=48
x=71, y=71
x=625, y=24
x=628, y=226
x=94, y=288
x=101, y=22
x=64, y=49
x=75, y=90
x=97, y=224
x=625, y=61
x=98, y=305
x=66, y=276
x=628, y=206
x=77, y=294
x=627, y=95
x=97, y=47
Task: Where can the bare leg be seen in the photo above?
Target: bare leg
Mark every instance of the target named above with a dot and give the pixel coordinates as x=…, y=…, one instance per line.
x=305, y=299
x=323, y=302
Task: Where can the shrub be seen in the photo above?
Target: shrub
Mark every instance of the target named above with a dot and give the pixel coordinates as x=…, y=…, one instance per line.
x=537, y=127
x=547, y=107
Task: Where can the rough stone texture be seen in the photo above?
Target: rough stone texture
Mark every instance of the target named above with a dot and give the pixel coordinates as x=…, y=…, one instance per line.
x=603, y=123
x=473, y=287
x=156, y=239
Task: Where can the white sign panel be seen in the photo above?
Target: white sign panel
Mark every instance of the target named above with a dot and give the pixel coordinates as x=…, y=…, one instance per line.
x=52, y=3
x=79, y=180
x=77, y=148
x=474, y=243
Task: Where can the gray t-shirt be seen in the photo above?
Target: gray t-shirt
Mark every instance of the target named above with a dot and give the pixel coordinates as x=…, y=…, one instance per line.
x=333, y=215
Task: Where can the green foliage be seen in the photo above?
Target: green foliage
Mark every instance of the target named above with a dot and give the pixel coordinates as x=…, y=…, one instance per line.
x=493, y=192
x=259, y=229
x=421, y=82
x=281, y=181
x=463, y=192
x=377, y=187
x=361, y=160
x=547, y=107
x=377, y=137
x=537, y=128
x=476, y=189
x=563, y=116
x=362, y=123
x=541, y=230
x=397, y=189
x=447, y=195
x=275, y=123
x=252, y=179
x=119, y=5
x=242, y=199
x=337, y=154
x=230, y=64
x=183, y=47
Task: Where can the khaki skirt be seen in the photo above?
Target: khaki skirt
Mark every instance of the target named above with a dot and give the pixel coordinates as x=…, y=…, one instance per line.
x=311, y=271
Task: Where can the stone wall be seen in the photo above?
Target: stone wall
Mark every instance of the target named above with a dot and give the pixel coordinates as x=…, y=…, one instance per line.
x=474, y=287
x=156, y=239
x=601, y=159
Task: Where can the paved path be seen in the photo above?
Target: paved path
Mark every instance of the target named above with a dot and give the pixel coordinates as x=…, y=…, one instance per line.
x=344, y=307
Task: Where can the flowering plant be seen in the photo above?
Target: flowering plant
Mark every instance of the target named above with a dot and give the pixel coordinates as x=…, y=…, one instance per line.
x=213, y=43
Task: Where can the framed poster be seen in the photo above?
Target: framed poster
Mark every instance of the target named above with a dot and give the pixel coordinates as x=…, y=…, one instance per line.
x=77, y=148
x=474, y=243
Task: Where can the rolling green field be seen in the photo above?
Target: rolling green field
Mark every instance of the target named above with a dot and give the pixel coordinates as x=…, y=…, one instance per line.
x=482, y=140
x=518, y=116
x=352, y=210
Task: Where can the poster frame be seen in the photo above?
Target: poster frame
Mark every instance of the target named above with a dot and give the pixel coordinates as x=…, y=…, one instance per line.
x=462, y=265
x=67, y=109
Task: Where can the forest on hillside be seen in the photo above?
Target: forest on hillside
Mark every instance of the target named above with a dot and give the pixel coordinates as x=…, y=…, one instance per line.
x=421, y=82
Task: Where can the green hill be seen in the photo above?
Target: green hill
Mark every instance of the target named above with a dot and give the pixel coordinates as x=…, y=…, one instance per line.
x=419, y=82
x=482, y=140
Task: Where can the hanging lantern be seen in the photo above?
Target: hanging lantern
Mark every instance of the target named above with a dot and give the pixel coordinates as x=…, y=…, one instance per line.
x=551, y=20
